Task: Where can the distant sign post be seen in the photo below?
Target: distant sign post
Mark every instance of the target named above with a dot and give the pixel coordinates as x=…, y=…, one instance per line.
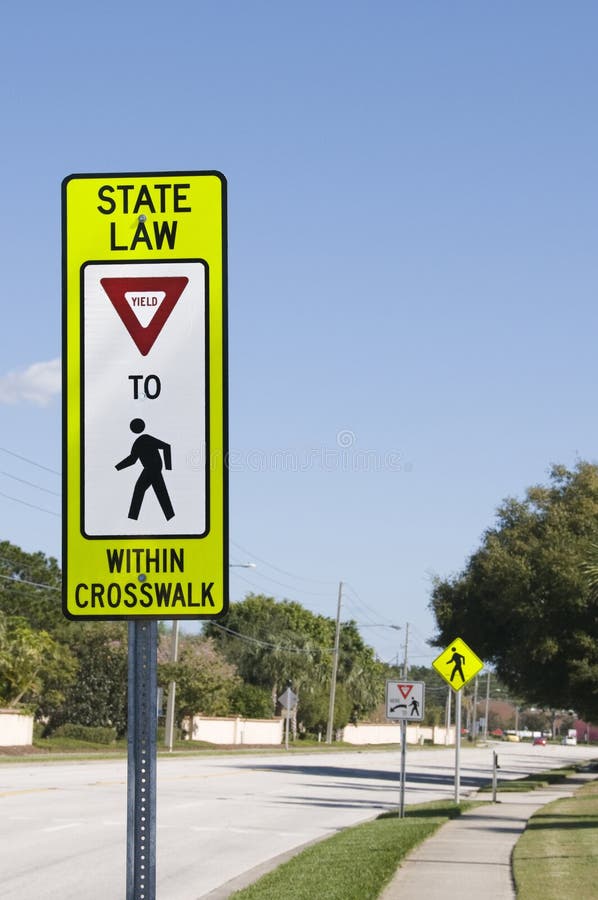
x=458, y=665
x=288, y=701
x=404, y=703
x=144, y=432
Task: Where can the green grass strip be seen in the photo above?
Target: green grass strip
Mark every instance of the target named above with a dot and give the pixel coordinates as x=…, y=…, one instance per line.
x=514, y=786
x=532, y=782
x=356, y=863
x=557, y=854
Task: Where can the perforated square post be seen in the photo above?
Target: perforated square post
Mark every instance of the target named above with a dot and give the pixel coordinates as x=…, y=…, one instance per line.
x=141, y=770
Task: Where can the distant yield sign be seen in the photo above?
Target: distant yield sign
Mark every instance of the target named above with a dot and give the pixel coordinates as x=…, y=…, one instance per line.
x=458, y=664
x=144, y=368
x=405, y=700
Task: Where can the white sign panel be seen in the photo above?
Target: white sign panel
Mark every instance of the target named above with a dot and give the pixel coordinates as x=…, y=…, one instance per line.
x=144, y=399
x=405, y=700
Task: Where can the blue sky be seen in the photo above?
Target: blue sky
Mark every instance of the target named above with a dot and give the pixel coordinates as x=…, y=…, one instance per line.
x=412, y=281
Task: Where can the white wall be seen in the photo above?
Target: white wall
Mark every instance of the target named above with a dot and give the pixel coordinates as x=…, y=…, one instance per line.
x=391, y=734
x=235, y=730
x=16, y=729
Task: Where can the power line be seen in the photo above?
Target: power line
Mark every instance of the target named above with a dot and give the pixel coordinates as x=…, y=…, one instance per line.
x=295, y=589
x=30, y=461
x=355, y=605
x=14, y=580
x=359, y=608
x=268, y=644
x=30, y=483
x=38, y=487
x=31, y=505
x=282, y=571
x=365, y=605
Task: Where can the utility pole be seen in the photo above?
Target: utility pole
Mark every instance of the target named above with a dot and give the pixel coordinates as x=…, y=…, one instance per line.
x=405, y=668
x=487, y=705
x=174, y=650
x=330, y=723
x=475, y=710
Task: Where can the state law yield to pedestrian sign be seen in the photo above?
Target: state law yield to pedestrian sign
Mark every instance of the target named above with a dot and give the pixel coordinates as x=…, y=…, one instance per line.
x=144, y=419
x=405, y=700
x=458, y=664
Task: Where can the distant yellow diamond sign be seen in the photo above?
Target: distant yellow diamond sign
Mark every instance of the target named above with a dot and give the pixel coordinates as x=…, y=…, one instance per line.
x=458, y=664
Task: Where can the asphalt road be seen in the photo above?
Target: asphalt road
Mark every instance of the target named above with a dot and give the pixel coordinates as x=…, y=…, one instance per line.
x=63, y=825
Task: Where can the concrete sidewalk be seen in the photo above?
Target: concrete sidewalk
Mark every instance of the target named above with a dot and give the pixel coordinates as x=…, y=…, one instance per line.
x=470, y=857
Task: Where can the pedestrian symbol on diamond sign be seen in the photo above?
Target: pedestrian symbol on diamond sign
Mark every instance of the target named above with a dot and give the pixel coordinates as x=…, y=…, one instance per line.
x=458, y=664
x=144, y=424
x=405, y=700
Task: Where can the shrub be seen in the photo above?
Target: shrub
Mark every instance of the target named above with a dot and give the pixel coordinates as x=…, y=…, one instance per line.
x=94, y=734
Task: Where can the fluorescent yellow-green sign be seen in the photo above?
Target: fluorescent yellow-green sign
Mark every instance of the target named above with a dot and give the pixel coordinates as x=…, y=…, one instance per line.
x=144, y=407
x=458, y=664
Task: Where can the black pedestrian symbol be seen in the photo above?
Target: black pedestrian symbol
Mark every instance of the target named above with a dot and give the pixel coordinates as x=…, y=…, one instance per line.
x=457, y=659
x=414, y=711
x=146, y=449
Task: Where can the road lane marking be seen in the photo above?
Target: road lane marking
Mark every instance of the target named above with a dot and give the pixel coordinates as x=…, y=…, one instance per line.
x=27, y=791
x=62, y=827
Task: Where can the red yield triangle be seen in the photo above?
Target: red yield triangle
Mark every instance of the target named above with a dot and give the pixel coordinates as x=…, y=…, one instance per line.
x=145, y=289
x=405, y=690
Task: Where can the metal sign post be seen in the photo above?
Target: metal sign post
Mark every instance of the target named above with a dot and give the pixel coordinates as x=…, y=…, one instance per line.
x=288, y=701
x=495, y=767
x=141, y=767
x=457, y=746
x=404, y=703
x=403, y=763
x=463, y=665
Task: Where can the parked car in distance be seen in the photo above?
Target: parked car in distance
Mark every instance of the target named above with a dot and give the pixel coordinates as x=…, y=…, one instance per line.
x=540, y=742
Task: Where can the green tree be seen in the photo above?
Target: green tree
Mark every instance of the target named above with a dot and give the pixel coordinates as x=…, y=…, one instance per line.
x=435, y=693
x=251, y=701
x=273, y=643
x=313, y=707
x=31, y=584
x=99, y=694
x=205, y=681
x=535, y=720
x=314, y=704
x=34, y=668
x=524, y=601
x=30, y=587
x=361, y=674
